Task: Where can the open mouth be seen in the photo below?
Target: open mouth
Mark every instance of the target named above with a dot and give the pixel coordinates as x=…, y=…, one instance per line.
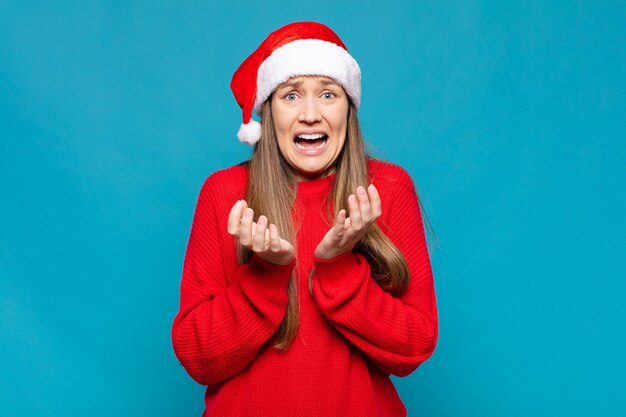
x=310, y=142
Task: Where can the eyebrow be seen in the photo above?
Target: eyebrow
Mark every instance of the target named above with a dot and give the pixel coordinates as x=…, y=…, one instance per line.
x=297, y=83
x=291, y=84
x=328, y=82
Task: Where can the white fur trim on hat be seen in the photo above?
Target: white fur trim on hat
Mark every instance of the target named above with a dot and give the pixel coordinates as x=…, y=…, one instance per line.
x=308, y=57
x=250, y=132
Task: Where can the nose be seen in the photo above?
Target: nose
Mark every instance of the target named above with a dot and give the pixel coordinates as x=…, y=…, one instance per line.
x=309, y=112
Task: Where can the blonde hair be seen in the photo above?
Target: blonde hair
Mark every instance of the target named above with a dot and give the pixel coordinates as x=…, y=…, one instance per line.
x=272, y=188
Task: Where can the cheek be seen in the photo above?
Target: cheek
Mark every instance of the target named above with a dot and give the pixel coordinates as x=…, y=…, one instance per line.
x=283, y=120
x=282, y=143
x=340, y=126
x=339, y=118
x=281, y=129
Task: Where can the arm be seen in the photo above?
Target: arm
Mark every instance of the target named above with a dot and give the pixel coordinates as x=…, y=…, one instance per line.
x=397, y=334
x=220, y=328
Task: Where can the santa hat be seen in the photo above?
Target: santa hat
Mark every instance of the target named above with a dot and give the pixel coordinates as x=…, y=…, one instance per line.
x=300, y=48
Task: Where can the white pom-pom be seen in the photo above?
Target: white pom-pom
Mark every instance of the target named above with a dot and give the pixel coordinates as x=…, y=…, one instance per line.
x=250, y=132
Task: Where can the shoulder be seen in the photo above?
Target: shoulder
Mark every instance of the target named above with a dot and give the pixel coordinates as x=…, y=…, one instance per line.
x=231, y=181
x=389, y=175
x=396, y=189
x=231, y=175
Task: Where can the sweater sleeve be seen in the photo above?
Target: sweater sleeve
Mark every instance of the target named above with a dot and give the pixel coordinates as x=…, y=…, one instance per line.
x=395, y=333
x=220, y=328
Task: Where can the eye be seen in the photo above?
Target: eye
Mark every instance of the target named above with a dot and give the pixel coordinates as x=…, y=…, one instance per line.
x=290, y=96
x=329, y=95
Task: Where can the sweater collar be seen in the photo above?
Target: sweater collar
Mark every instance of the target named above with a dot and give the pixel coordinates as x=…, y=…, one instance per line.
x=318, y=186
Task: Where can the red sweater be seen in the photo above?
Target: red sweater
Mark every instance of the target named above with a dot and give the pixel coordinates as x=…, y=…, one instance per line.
x=351, y=336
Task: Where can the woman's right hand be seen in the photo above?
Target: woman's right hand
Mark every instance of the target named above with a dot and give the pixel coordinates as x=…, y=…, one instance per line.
x=262, y=239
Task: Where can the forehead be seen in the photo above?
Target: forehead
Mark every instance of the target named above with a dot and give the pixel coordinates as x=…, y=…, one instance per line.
x=316, y=79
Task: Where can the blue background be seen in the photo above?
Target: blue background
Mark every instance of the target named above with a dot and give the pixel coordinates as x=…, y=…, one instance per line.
x=510, y=117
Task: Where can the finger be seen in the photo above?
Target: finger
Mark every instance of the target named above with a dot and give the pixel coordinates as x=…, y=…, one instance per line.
x=340, y=224
x=258, y=242
x=234, y=218
x=364, y=204
x=355, y=214
x=245, y=231
x=375, y=201
x=253, y=232
x=285, y=246
x=274, y=239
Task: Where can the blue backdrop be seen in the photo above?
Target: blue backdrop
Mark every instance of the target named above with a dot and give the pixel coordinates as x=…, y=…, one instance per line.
x=510, y=117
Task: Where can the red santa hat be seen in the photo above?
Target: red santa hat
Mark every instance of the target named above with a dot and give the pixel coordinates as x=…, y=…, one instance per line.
x=300, y=48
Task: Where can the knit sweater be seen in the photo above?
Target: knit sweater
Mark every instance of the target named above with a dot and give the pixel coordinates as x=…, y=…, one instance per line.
x=352, y=334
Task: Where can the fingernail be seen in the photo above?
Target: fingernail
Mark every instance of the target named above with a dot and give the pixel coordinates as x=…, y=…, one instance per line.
x=248, y=212
x=360, y=190
x=372, y=188
x=238, y=203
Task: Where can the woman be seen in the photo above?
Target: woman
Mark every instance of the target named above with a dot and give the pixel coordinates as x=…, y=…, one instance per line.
x=306, y=280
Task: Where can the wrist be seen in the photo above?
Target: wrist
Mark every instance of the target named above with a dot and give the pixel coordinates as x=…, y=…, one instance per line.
x=279, y=261
x=327, y=255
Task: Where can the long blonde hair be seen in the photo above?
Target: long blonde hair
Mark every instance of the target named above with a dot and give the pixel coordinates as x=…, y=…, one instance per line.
x=272, y=189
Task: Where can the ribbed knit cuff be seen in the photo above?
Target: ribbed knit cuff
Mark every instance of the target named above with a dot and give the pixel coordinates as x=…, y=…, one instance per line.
x=265, y=285
x=264, y=266
x=270, y=276
x=340, y=275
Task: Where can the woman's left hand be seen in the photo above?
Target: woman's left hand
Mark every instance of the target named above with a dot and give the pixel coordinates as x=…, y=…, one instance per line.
x=364, y=208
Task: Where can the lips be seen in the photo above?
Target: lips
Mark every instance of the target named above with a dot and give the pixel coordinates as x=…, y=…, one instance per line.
x=309, y=135
x=311, y=143
x=310, y=140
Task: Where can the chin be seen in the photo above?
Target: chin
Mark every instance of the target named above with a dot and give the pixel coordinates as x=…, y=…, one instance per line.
x=313, y=172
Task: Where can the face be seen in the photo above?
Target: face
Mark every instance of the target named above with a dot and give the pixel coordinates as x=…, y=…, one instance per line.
x=310, y=120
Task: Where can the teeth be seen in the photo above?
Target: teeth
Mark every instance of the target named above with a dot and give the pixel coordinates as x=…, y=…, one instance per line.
x=312, y=136
x=302, y=147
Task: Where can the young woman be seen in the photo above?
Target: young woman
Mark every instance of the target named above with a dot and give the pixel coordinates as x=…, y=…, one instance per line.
x=306, y=280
